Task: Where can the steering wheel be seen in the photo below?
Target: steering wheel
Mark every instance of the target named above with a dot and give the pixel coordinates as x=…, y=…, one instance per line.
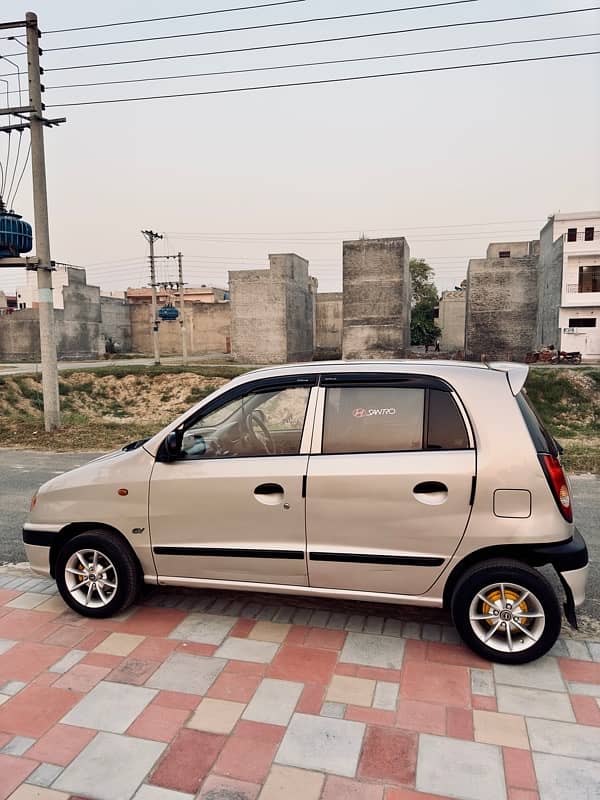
x=258, y=432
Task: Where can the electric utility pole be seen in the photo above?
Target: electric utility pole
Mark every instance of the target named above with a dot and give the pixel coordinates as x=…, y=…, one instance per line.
x=151, y=237
x=184, y=353
x=42, y=233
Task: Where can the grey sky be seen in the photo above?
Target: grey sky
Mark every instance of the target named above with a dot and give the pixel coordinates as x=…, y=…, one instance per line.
x=300, y=169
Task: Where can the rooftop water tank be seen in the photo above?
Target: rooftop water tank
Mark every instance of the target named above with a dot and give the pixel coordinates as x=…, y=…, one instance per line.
x=16, y=236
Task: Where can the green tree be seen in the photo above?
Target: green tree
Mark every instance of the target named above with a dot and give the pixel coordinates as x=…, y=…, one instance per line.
x=424, y=300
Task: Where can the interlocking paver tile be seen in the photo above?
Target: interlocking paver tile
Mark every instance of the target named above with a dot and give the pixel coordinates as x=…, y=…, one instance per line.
x=35, y=710
x=389, y=755
x=67, y=661
x=534, y=703
x=52, y=604
x=335, y=710
x=482, y=682
x=216, y=716
x=26, y=660
x=418, y=715
x=118, y=644
x=590, y=689
x=188, y=760
x=304, y=664
x=247, y=650
x=266, y=631
x=186, y=673
x=560, y=777
x=61, y=744
x=373, y=650
x=81, y=678
x=159, y=723
x=11, y=688
x=353, y=691
x=439, y=683
x=44, y=775
x=239, y=688
x=311, y=699
x=27, y=600
x=216, y=787
x=386, y=695
x=584, y=671
x=594, y=648
x=203, y=628
x=518, y=769
x=110, y=707
x=29, y=791
x=564, y=739
x=17, y=746
x=293, y=784
x=346, y=789
x=578, y=650
x=370, y=716
x=503, y=729
x=459, y=723
x=147, y=792
x=322, y=743
x=152, y=621
x=187, y=702
x=133, y=670
x=154, y=648
x=587, y=709
x=456, y=654
x=249, y=752
x=6, y=644
x=325, y=639
x=467, y=770
x=540, y=674
x=88, y=773
x=13, y=771
x=274, y=701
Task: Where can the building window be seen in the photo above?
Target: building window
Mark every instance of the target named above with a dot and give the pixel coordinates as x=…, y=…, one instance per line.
x=582, y=322
x=572, y=235
x=504, y=254
x=589, y=235
x=589, y=279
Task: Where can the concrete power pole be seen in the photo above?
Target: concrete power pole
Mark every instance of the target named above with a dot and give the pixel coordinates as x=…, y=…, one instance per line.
x=184, y=353
x=42, y=234
x=151, y=237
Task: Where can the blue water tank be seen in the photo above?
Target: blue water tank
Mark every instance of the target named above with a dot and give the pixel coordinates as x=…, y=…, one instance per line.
x=168, y=312
x=16, y=236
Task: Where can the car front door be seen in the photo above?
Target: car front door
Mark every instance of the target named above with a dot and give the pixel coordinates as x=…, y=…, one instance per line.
x=231, y=506
x=389, y=483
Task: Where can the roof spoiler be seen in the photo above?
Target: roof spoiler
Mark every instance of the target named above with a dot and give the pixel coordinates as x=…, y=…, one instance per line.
x=516, y=373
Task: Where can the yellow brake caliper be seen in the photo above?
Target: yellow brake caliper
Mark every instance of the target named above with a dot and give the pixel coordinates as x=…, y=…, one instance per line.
x=511, y=596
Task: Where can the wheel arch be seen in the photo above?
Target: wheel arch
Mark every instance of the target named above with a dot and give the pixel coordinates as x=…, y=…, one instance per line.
x=522, y=553
x=75, y=528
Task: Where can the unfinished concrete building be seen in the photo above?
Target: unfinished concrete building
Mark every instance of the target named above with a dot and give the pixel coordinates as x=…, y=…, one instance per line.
x=273, y=312
x=376, y=308
x=451, y=319
x=328, y=325
x=502, y=301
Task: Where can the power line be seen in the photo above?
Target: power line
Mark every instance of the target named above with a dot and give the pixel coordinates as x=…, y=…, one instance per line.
x=262, y=26
x=322, y=81
x=321, y=41
x=176, y=16
x=322, y=63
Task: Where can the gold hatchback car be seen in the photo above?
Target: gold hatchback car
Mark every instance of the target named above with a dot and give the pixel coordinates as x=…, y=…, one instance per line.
x=426, y=483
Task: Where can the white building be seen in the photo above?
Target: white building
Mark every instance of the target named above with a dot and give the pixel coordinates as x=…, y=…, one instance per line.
x=570, y=283
x=27, y=296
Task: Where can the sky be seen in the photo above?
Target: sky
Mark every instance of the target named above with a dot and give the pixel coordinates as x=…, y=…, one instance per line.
x=450, y=159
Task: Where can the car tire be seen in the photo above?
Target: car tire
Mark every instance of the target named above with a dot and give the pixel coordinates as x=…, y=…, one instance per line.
x=483, y=610
x=109, y=577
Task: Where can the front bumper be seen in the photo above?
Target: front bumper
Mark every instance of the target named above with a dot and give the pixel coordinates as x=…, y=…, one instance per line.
x=38, y=539
x=571, y=562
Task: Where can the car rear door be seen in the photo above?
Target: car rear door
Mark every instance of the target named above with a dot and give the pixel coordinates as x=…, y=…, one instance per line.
x=390, y=481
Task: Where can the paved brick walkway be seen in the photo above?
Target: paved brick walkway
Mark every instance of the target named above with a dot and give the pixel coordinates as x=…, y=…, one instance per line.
x=216, y=698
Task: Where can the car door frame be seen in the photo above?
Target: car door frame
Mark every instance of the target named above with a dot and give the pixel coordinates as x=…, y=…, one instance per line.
x=159, y=548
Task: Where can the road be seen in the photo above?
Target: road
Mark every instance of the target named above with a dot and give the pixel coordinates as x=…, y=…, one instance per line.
x=22, y=471
x=30, y=368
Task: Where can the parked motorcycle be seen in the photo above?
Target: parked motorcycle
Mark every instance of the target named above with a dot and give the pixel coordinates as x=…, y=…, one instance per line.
x=569, y=357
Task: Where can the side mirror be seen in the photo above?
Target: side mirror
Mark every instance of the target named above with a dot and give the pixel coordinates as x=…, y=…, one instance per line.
x=172, y=445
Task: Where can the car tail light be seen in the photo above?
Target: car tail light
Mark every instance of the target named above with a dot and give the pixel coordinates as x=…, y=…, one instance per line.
x=558, y=484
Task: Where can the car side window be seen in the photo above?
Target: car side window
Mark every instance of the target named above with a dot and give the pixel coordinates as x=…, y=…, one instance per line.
x=261, y=423
x=373, y=419
x=446, y=428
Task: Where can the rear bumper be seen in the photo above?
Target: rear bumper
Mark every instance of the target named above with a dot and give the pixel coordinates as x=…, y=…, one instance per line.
x=571, y=562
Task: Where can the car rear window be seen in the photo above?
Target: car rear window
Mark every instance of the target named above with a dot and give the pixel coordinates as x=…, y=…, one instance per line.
x=544, y=442
x=446, y=429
